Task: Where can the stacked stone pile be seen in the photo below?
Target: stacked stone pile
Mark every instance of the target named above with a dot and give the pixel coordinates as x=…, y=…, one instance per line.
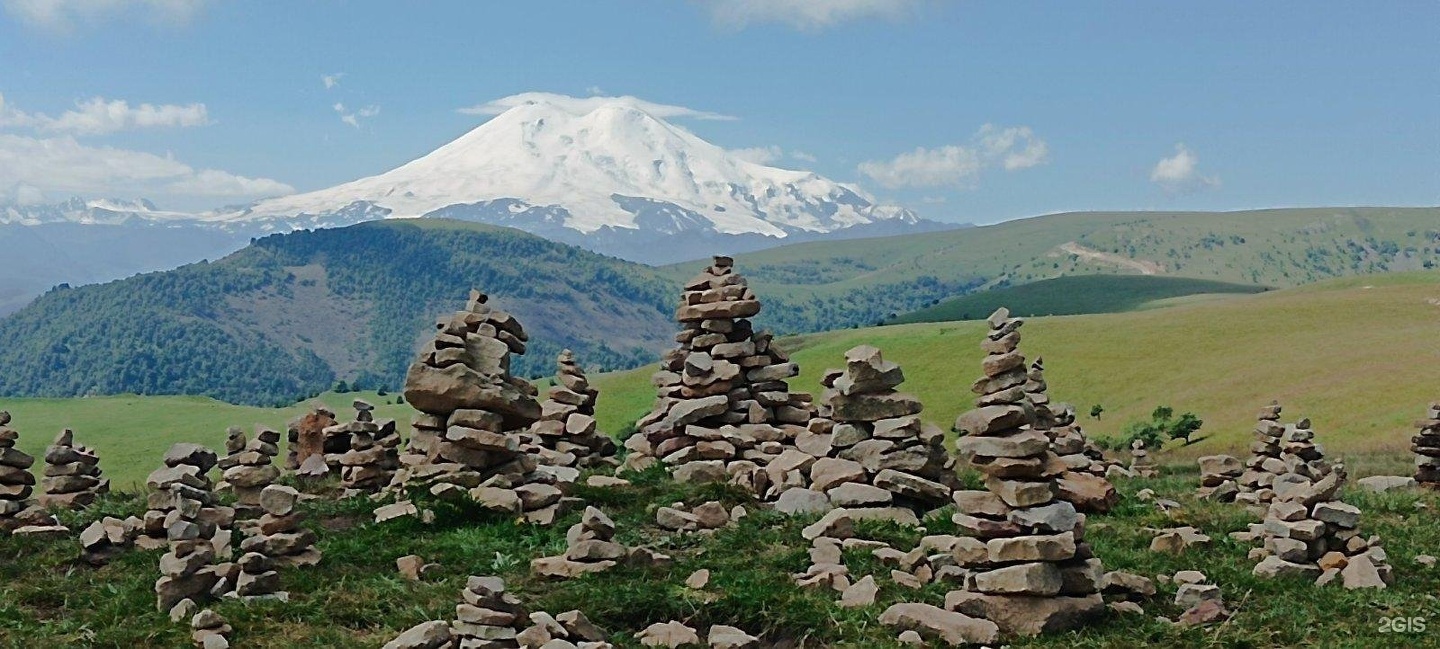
x=306, y=435
x=249, y=467
x=1141, y=465
x=877, y=453
x=1219, y=478
x=1037, y=573
x=491, y=618
x=591, y=548
x=1264, y=462
x=107, y=538
x=1309, y=532
x=566, y=435
x=372, y=452
x=183, y=513
x=208, y=630
x=72, y=474
x=1084, y=481
x=473, y=415
x=722, y=401
x=1426, y=447
x=280, y=540
x=17, y=484
x=705, y=517
x=182, y=481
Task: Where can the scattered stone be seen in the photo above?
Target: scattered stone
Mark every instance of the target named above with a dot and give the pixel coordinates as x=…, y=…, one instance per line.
x=729, y=637
x=860, y=594
x=668, y=634
x=1204, y=613
x=949, y=627
x=1178, y=539
x=434, y=634
x=1383, y=483
x=698, y=579
x=107, y=538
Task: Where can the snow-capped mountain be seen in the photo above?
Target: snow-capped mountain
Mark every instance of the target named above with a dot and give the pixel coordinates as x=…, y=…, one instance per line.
x=597, y=172
x=110, y=211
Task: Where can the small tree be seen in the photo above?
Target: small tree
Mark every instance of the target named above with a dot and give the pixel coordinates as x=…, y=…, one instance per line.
x=1096, y=410
x=1185, y=426
x=342, y=387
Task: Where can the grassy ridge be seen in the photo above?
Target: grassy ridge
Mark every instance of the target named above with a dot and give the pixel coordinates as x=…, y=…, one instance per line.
x=1073, y=295
x=1357, y=357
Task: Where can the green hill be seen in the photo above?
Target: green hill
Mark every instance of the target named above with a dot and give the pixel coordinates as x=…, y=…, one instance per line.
x=861, y=282
x=288, y=315
x=1074, y=295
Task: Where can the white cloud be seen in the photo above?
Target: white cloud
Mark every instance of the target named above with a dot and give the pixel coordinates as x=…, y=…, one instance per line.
x=801, y=155
x=98, y=116
x=1011, y=148
x=759, y=154
x=594, y=90
x=1180, y=173
x=582, y=105
x=806, y=14
x=64, y=166
x=353, y=118
x=331, y=80
x=61, y=15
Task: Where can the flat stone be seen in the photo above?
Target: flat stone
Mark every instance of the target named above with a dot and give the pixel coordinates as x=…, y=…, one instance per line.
x=1361, y=572
x=802, y=501
x=860, y=594
x=729, y=637
x=835, y=524
x=426, y=635
x=856, y=494
x=668, y=634
x=1272, y=567
x=829, y=471
x=952, y=628
x=1383, y=483
x=1022, y=579
x=1056, y=547
x=1024, y=615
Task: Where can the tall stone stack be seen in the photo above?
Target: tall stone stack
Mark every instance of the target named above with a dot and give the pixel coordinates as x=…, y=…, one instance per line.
x=473, y=415
x=566, y=434
x=721, y=393
x=72, y=474
x=183, y=513
x=181, y=483
x=880, y=453
x=1037, y=574
x=17, y=484
x=1309, y=532
x=1140, y=463
x=1426, y=447
x=373, y=453
x=1264, y=462
x=247, y=472
x=280, y=541
x=1083, y=483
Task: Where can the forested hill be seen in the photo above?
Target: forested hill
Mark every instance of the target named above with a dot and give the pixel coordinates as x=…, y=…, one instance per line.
x=291, y=314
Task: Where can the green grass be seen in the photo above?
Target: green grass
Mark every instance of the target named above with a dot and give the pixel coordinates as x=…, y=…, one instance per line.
x=1359, y=361
x=132, y=432
x=1074, y=295
x=355, y=598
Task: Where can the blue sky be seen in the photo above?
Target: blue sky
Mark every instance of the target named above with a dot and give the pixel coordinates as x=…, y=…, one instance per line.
x=1123, y=105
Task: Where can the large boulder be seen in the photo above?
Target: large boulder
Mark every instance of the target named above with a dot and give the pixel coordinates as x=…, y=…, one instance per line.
x=447, y=389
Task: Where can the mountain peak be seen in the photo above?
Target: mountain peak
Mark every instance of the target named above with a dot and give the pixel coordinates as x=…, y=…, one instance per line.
x=585, y=164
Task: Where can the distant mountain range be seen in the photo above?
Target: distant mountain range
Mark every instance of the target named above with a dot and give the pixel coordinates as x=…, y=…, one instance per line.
x=599, y=173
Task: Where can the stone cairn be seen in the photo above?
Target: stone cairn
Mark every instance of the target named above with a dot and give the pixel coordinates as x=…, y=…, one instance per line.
x=208, y=630
x=723, y=409
x=1037, y=573
x=590, y=548
x=306, y=435
x=1141, y=466
x=1219, y=478
x=17, y=510
x=566, y=436
x=1308, y=532
x=1264, y=463
x=1084, y=482
x=107, y=538
x=880, y=454
x=492, y=618
x=72, y=474
x=249, y=467
x=473, y=414
x=279, y=541
x=183, y=513
x=373, y=453
x=1426, y=447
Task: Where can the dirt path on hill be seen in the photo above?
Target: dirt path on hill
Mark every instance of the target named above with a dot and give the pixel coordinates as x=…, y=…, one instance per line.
x=1144, y=267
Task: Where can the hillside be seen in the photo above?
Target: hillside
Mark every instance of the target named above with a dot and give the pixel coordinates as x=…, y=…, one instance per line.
x=1355, y=355
x=863, y=281
x=286, y=316
x=1074, y=295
